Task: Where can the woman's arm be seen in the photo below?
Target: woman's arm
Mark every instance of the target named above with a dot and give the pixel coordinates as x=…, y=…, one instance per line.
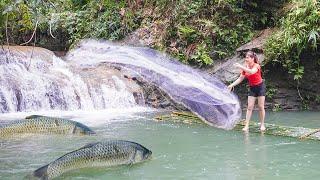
x=236, y=82
x=250, y=71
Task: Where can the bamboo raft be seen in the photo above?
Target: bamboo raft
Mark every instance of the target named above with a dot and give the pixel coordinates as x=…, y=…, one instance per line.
x=272, y=129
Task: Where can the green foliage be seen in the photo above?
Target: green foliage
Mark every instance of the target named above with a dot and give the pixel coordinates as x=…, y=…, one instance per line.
x=263, y=13
x=298, y=33
x=298, y=73
x=201, y=56
x=200, y=30
x=271, y=91
x=187, y=33
x=14, y=15
x=305, y=105
x=205, y=30
x=79, y=3
x=276, y=108
x=317, y=99
x=107, y=19
x=2, y=20
x=99, y=20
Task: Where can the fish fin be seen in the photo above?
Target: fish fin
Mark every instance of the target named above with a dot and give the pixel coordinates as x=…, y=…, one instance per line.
x=131, y=163
x=74, y=129
x=56, y=122
x=41, y=172
x=86, y=128
x=33, y=116
x=91, y=132
x=88, y=145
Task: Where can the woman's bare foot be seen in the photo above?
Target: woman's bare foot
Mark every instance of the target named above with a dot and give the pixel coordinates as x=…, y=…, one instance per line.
x=262, y=128
x=246, y=128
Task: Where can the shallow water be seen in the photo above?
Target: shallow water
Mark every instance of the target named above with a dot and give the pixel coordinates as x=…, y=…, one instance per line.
x=308, y=119
x=180, y=151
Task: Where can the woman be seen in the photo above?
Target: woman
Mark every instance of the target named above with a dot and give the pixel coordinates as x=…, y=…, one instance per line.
x=252, y=71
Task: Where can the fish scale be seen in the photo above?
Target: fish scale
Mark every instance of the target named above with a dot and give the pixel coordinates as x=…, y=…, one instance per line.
x=44, y=124
x=101, y=154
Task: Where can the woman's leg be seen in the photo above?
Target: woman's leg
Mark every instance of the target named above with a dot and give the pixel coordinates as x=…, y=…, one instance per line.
x=262, y=112
x=251, y=101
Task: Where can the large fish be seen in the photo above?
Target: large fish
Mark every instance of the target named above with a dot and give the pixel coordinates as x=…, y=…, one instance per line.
x=100, y=154
x=44, y=124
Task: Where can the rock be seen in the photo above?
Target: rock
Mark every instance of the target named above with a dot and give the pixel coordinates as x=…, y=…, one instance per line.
x=257, y=43
x=146, y=93
x=277, y=78
x=149, y=34
x=225, y=70
x=157, y=98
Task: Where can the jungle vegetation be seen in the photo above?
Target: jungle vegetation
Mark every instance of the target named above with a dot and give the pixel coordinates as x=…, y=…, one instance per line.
x=197, y=32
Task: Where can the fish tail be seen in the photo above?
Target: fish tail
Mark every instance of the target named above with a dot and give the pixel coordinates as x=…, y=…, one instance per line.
x=42, y=172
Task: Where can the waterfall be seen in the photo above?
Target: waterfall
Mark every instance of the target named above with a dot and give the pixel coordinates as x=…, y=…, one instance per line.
x=33, y=79
x=200, y=93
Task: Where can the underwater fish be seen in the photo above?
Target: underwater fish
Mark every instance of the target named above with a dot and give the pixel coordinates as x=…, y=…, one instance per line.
x=100, y=154
x=44, y=124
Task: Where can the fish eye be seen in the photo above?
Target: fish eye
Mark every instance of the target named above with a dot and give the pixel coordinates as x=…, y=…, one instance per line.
x=147, y=154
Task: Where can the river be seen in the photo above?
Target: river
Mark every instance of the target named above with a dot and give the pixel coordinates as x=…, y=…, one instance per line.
x=180, y=151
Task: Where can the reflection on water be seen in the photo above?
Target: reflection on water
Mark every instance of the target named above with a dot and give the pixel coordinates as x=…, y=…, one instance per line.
x=307, y=119
x=180, y=151
x=255, y=151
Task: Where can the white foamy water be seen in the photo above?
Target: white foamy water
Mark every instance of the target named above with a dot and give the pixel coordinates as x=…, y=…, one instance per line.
x=35, y=80
x=92, y=118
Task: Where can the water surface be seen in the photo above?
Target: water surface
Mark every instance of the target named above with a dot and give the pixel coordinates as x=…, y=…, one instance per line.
x=180, y=151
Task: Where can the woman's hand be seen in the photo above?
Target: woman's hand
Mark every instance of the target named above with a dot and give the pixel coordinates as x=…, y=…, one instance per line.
x=237, y=65
x=230, y=87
